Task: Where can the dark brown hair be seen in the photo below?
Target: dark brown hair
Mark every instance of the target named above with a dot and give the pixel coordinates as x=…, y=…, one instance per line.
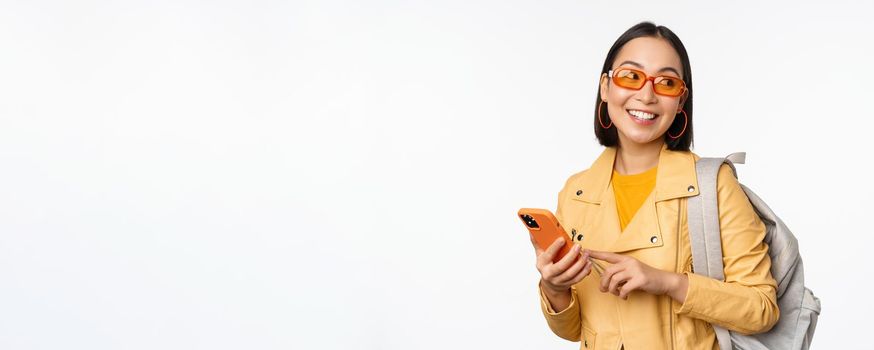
x=609, y=137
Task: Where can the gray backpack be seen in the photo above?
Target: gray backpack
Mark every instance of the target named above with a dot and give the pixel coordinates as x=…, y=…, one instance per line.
x=799, y=308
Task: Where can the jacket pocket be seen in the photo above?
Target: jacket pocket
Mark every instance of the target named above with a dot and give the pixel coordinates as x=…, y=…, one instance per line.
x=588, y=341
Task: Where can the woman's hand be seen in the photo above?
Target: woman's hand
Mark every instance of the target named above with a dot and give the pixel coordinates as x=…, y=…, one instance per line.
x=558, y=277
x=627, y=274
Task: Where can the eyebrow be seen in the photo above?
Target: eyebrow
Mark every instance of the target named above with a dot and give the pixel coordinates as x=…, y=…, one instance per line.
x=665, y=69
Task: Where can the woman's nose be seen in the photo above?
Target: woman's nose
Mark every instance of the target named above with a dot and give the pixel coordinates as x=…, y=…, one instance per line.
x=646, y=93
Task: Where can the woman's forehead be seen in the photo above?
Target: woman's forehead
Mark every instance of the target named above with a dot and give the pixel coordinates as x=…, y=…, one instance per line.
x=653, y=55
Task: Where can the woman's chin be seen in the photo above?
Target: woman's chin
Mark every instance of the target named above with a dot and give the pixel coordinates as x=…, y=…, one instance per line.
x=641, y=138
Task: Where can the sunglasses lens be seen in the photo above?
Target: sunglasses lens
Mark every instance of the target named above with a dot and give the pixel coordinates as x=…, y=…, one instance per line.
x=668, y=86
x=635, y=79
x=629, y=78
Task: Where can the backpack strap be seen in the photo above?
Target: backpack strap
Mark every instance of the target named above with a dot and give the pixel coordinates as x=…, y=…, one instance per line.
x=703, y=219
x=703, y=212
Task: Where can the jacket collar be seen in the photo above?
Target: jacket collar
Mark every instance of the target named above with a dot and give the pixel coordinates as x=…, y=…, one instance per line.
x=675, y=177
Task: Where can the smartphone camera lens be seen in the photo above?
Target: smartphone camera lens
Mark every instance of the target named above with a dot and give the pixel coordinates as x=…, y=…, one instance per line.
x=530, y=221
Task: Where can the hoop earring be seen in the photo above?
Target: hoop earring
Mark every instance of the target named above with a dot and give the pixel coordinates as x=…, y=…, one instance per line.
x=599, y=117
x=685, y=123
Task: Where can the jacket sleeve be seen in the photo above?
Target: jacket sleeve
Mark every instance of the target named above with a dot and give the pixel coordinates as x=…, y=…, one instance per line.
x=565, y=323
x=747, y=301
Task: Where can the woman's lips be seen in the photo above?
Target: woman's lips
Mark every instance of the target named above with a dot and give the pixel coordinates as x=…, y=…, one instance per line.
x=642, y=121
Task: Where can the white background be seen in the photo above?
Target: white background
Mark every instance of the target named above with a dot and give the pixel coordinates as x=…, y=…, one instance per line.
x=345, y=174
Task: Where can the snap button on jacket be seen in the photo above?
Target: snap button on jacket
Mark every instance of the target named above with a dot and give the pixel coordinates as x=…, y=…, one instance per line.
x=658, y=236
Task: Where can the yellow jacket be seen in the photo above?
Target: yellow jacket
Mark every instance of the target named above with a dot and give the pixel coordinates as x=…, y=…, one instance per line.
x=658, y=236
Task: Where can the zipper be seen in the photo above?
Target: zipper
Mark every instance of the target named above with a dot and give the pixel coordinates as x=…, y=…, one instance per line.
x=682, y=204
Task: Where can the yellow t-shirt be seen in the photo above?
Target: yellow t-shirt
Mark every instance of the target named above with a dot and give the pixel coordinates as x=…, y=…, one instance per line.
x=631, y=191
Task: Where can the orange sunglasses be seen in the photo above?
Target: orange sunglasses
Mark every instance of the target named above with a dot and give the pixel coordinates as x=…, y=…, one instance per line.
x=635, y=80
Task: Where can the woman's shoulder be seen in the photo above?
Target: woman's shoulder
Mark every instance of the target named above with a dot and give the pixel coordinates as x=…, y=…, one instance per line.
x=577, y=175
x=729, y=192
x=726, y=177
x=574, y=179
x=602, y=164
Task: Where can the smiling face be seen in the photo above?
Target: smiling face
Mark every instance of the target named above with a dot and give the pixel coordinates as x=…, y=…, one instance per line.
x=642, y=116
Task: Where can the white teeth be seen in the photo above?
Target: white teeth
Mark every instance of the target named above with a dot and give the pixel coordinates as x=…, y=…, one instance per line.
x=641, y=115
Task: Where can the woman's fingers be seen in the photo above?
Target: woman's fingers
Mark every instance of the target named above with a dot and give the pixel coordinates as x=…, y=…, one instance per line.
x=566, y=261
x=617, y=281
x=556, y=246
x=556, y=273
x=612, y=258
x=608, y=275
x=582, y=274
x=546, y=257
x=627, y=288
x=581, y=263
x=571, y=272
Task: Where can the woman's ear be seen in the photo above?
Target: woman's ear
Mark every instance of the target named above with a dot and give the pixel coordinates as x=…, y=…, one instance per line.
x=683, y=100
x=604, y=81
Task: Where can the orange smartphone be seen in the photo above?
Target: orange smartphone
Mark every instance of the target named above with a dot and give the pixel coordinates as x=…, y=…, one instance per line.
x=545, y=229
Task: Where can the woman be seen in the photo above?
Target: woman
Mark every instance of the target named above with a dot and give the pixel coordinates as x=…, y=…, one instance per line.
x=627, y=213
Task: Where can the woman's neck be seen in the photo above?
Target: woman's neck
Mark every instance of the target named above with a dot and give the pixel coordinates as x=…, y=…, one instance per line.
x=637, y=158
